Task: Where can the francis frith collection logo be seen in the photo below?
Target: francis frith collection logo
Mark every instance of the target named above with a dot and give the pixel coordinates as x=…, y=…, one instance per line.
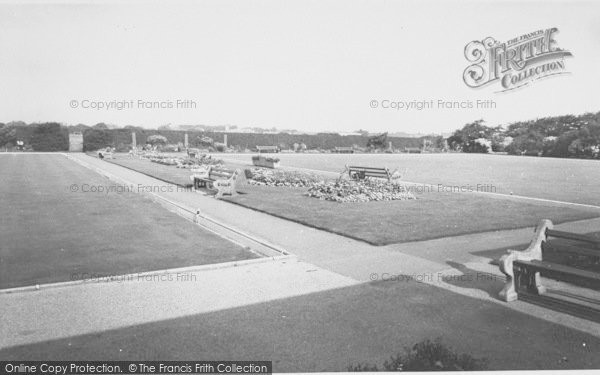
x=514, y=63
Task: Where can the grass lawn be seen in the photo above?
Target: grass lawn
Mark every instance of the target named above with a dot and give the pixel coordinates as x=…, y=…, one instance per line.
x=167, y=173
x=570, y=180
x=49, y=233
x=432, y=215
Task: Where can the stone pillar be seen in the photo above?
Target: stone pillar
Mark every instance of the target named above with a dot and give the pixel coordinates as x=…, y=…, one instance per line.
x=185, y=140
x=225, y=139
x=75, y=142
x=133, y=141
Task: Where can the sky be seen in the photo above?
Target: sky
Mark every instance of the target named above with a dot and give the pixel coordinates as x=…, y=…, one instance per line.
x=306, y=65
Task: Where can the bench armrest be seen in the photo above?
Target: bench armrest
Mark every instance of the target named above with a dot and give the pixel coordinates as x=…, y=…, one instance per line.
x=533, y=252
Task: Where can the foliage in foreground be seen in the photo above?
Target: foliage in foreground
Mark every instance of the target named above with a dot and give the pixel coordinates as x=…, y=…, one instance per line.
x=427, y=356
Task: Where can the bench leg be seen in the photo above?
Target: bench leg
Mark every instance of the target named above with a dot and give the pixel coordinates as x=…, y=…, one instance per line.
x=219, y=194
x=509, y=292
x=514, y=277
x=529, y=280
x=535, y=283
x=225, y=189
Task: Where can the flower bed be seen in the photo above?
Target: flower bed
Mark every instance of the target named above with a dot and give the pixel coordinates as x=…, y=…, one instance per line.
x=338, y=191
x=181, y=162
x=265, y=161
x=269, y=177
x=359, y=191
x=194, y=162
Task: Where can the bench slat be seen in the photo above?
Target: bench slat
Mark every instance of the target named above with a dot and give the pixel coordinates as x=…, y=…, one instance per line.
x=570, y=249
x=572, y=236
x=367, y=168
x=221, y=174
x=375, y=173
x=559, y=268
x=362, y=172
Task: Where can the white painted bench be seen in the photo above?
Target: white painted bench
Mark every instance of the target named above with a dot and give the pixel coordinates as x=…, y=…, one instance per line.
x=223, y=180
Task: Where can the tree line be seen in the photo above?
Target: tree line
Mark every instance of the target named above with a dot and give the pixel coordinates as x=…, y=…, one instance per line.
x=567, y=136
x=54, y=137
x=575, y=136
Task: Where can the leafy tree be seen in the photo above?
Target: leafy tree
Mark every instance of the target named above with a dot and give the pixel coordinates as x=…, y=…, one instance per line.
x=587, y=144
x=8, y=135
x=204, y=141
x=17, y=124
x=97, y=138
x=529, y=143
x=455, y=142
x=79, y=128
x=157, y=140
x=559, y=147
x=465, y=139
x=378, y=141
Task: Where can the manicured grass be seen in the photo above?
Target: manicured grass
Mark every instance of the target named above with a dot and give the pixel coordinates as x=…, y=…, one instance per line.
x=432, y=215
x=48, y=233
x=570, y=180
x=167, y=173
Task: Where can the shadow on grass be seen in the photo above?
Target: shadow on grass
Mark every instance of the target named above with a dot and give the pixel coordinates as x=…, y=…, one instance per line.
x=331, y=330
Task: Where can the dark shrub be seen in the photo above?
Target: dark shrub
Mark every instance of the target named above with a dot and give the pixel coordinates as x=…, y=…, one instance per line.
x=49, y=137
x=95, y=139
x=427, y=356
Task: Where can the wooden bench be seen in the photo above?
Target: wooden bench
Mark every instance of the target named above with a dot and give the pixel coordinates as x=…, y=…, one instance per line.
x=343, y=150
x=524, y=269
x=221, y=179
x=360, y=173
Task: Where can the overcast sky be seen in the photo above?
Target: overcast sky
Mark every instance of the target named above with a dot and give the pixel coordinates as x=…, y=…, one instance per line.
x=307, y=65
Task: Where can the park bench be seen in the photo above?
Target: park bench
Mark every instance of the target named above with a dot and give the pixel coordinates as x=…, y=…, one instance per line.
x=524, y=269
x=267, y=149
x=343, y=150
x=106, y=155
x=360, y=173
x=217, y=178
x=412, y=150
x=192, y=152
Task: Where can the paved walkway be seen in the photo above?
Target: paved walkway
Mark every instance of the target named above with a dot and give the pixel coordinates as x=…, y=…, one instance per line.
x=458, y=269
x=98, y=306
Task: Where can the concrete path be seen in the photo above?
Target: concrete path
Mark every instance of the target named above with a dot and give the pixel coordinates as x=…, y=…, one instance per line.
x=98, y=306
